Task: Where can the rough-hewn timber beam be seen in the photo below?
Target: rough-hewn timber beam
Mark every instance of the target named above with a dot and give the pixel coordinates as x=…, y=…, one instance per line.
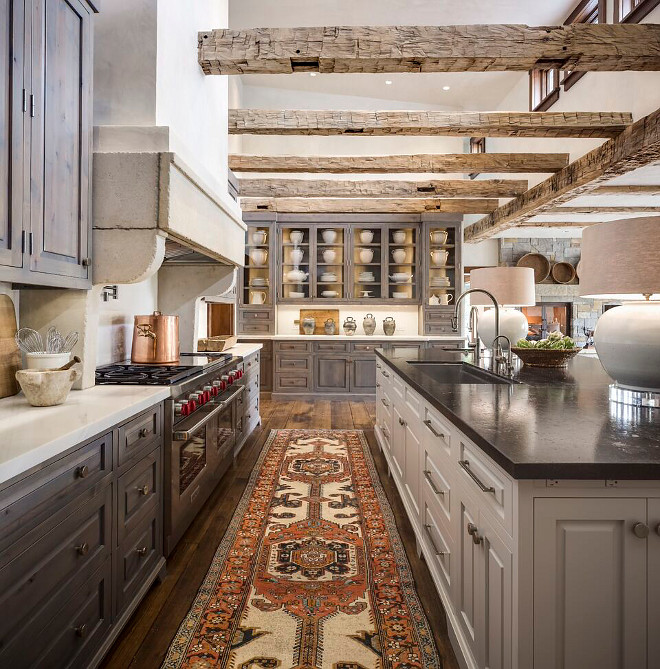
x=462, y=48
x=490, y=124
x=380, y=188
x=368, y=206
x=608, y=209
x=426, y=163
x=637, y=146
x=632, y=189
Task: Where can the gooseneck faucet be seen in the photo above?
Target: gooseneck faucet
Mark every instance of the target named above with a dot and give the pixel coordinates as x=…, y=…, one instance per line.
x=500, y=358
x=454, y=320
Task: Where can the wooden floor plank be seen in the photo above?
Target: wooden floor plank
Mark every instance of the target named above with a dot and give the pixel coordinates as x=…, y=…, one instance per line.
x=146, y=638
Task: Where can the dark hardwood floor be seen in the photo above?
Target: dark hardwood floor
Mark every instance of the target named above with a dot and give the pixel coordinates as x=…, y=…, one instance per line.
x=147, y=636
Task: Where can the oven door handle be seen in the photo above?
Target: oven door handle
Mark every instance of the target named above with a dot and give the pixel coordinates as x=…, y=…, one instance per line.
x=186, y=435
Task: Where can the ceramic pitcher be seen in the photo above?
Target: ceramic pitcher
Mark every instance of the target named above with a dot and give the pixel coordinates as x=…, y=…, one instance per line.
x=257, y=297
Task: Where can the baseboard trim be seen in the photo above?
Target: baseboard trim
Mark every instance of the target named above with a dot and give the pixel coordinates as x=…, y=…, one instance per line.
x=323, y=396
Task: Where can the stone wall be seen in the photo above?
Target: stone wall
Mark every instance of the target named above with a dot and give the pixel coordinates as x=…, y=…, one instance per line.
x=555, y=250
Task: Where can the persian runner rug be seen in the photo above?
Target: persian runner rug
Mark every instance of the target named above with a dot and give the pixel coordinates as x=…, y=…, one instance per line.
x=311, y=573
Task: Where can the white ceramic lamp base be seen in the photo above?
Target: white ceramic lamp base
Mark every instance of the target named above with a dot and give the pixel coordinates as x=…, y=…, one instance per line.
x=513, y=324
x=627, y=339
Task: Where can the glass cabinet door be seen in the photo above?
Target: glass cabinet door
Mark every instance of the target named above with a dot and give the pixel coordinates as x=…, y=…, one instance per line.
x=297, y=247
x=331, y=263
x=441, y=276
x=366, y=268
x=402, y=262
x=256, y=272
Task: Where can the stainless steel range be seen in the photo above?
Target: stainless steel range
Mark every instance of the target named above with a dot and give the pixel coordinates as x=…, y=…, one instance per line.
x=200, y=428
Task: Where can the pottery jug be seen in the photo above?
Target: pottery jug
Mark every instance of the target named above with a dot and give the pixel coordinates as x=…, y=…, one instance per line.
x=439, y=237
x=446, y=299
x=434, y=300
x=258, y=256
x=366, y=256
x=389, y=325
x=350, y=326
x=369, y=324
x=259, y=237
x=439, y=258
x=257, y=297
x=329, y=236
x=296, y=236
x=330, y=327
x=329, y=255
x=399, y=236
x=399, y=255
x=297, y=256
x=366, y=236
x=308, y=325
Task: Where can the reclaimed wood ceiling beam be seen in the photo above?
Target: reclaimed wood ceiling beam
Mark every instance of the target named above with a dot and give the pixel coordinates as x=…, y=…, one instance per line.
x=382, y=188
x=462, y=48
x=636, y=147
x=606, y=209
x=627, y=189
x=466, y=163
x=366, y=206
x=490, y=124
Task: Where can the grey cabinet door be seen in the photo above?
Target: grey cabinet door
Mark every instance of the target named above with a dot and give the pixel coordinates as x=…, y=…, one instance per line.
x=363, y=374
x=60, y=135
x=11, y=131
x=332, y=373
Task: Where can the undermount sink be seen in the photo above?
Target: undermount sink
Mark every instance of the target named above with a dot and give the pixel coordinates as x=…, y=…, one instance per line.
x=456, y=373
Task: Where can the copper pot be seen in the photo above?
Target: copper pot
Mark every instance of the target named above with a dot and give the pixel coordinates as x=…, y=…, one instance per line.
x=156, y=339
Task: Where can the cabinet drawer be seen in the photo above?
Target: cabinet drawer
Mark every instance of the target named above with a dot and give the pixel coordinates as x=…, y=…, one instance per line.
x=301, y=346
x=251, y=389
x=398, y=387
x=438, y=432
x=331, y=346
x=255, y=327
x=366, y=347
x=251, y=417
x=65, y=634
x=137, y=557
x=292, y=383
x=438, y=328
x=438, y=545
x=251, y=364
x=139, y=433
x=439, y=314
x=413, y=404
x=138, y=491
x=436, y=485
x=486, y=483
x=249, y=316
x=291, y=363
x=446, y=344
x=69, y=551
x=40, y=496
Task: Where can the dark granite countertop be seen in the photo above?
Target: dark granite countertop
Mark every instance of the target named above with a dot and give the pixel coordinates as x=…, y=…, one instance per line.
x=553, y=423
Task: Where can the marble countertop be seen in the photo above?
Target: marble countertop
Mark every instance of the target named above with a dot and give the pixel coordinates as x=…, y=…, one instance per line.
x=31, y=435
x=553, y=423
x=244, y=349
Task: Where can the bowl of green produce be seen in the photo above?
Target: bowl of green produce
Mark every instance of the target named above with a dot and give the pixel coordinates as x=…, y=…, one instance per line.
x=555, y=351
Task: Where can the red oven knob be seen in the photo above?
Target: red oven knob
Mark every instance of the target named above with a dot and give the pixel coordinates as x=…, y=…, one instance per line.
x=181, y=409
x=207, y=396
x=214, y=390
x=239, y=374
x=192, y=405
x=228, y=379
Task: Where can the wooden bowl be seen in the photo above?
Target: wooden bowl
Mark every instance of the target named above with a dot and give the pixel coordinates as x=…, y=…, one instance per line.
x=539, y=263
x=545, y=357
x=563, y=272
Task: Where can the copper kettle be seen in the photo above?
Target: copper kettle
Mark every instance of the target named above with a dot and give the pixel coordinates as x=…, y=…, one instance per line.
x=156, y=339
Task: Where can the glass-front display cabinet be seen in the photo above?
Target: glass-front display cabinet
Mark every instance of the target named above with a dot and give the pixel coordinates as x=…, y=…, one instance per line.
x=330, y=275
x=403, y=262
x=296, y=248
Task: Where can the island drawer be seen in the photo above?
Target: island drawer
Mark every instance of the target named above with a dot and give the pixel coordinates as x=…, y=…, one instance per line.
x=437, y=431
x=436, y=485
x=413, y=403
x=40, y=496
x=485, y=481
x=299, y=346
x=299, y=383
x=331, y=346
x=438, y=544
x=252, y=388
x=288, y=363
x=138, y=491
x=140, y=432
x=251, y=363
x=366, y=347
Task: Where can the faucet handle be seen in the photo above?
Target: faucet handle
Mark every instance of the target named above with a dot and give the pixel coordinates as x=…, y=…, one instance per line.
x=454, y=323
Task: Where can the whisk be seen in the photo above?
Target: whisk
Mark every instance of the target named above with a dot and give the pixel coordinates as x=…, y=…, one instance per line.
x=29, y=341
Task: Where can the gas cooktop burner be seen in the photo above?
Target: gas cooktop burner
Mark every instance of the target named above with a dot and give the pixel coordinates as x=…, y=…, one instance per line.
x=158, y=375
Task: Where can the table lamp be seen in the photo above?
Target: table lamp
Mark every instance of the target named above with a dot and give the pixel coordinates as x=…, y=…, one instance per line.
x=621, y=261
x=511, y=287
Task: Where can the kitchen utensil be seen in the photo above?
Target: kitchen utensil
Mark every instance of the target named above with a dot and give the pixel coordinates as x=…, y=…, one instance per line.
x=369, y=324
x=319, y=316
x=45, y=360
x=399, y=236
x=10, y=358
x=46, y=387
x=296, y=236
x=439, y=257
x=54, y=340
x=155, y=339
x=70, y=341
x=389, y=325
x=329, y=236
x=308, y=325
x=366, y=256
x=330, y=327
x=439, y=237
x=297, y=256
x=29, y=340
x=258, y=297
x=259, y=237
x=329, y=255
x=400, y=277
x=350, y=326
x=545, y=357
x=563, y=272
x=258, y=257
x=216, y=344
x=399, y=255
x=329, y=293
x=296, y=275
x=69, y=364
x=366, y=236
x=539, y=263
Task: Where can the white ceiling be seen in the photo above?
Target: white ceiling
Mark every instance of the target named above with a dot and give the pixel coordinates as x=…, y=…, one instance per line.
x=476, y=91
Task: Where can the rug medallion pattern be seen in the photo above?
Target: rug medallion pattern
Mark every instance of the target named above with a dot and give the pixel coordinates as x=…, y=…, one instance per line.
x=311, y=573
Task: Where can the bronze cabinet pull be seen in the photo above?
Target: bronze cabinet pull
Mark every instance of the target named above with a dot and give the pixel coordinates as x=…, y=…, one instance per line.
x=466, y=466
x=473, y=531
x=427, y=474
x=142, y=551
x=144, y=432
x=81, y=631
x=401, y=421
x=384, y=402
x=83, y=548
x=433, y=430
x=144, y=490
x=437, y=552
x=82, y=472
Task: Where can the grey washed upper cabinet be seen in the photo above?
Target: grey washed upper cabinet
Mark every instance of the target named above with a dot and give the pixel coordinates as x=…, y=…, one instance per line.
x=45, y=228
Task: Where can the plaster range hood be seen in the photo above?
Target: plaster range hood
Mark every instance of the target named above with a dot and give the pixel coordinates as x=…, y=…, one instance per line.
x=149, y=209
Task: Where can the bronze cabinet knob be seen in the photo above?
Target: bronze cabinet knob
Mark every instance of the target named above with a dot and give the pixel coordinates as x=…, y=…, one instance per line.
x=83, y=549
x=82, y=472
x=144, y=490
x=640, y=530
x=144, y=432
x=81, y=631
x=142, y=551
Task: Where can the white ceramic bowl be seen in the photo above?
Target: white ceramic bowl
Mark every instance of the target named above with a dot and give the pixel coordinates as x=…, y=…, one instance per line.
x=46, y=388
x=296, y=294
x=329, y=293
x=46, y=360
x=400, y=296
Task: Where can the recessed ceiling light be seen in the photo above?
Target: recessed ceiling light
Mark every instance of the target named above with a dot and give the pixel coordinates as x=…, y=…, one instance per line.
x=313, y=74
x=446, y=88
x=388, y=82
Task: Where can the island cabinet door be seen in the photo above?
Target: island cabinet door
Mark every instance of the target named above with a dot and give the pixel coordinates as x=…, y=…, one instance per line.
x=653, y=588
x=398, y=445
x=412, y=448
x=590, y=583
